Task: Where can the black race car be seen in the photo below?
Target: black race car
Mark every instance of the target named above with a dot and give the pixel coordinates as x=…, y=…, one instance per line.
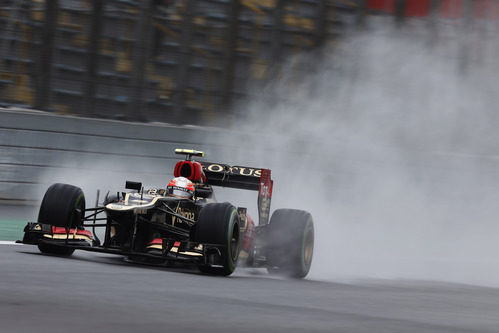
x=156, y=227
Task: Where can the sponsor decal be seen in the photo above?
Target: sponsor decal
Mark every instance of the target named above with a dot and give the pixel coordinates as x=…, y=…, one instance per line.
x=264, y=196
x=215, y=168
x=246, y=171
x=266, y=184
x=235, y=170
x=185, y=213
x=180, y=188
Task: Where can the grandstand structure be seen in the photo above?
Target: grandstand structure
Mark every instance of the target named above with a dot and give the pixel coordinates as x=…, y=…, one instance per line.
x=177, y=61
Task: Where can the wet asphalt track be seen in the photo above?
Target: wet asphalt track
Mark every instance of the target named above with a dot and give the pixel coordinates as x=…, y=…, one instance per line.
x=93, y=292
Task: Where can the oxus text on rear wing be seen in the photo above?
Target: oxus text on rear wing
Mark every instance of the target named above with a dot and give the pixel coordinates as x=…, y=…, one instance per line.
x=242, y=177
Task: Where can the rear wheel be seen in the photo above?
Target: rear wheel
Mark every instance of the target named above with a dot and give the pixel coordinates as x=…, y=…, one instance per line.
x=218, y=223
x=62, y=206
x=290, y=243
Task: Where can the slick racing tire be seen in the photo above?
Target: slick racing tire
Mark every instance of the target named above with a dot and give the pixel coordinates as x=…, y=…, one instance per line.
x=63, y=205
x=218, y=223
x=290, y=243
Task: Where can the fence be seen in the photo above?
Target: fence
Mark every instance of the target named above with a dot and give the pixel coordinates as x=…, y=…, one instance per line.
x=183, y=61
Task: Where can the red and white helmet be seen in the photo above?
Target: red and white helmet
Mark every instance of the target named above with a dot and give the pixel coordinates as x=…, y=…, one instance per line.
x=180, y=187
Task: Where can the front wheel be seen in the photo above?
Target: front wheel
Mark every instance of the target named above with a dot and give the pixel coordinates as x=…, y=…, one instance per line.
x=63, y=206
x=290, y=243
x=218, y=223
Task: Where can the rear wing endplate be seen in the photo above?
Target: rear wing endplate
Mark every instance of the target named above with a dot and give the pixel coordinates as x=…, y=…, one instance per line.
x=241, y=177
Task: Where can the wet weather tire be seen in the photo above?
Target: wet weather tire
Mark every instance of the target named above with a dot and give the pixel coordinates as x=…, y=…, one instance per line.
x=63, y=206
x=290, y=243
x=218, y=223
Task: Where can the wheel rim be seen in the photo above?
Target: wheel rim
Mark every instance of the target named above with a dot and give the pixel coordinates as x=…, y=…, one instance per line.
x=309, y=247
x=234, y=242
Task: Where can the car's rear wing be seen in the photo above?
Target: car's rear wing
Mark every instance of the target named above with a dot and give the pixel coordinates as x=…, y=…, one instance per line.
x=240, y=177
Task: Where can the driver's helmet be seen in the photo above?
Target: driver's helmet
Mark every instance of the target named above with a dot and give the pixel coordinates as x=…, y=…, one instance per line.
x=180, y=187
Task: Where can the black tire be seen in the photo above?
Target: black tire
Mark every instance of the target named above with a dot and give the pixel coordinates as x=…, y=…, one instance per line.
x=218, y=223
x=63, y=205
x=290, y=243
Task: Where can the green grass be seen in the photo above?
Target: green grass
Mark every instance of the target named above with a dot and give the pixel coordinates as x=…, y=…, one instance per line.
x=11, y=230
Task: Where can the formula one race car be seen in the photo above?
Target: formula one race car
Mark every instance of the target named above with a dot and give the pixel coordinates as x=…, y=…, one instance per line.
x=181, y=223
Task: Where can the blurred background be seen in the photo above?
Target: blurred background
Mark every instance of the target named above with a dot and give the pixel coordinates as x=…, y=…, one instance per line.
x=178, y=61
x=192, y=61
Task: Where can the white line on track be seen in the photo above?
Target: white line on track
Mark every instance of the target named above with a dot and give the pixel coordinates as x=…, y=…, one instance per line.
x=9, y=243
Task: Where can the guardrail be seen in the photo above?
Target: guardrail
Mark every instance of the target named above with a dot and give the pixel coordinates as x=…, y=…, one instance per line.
x=40, y=148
